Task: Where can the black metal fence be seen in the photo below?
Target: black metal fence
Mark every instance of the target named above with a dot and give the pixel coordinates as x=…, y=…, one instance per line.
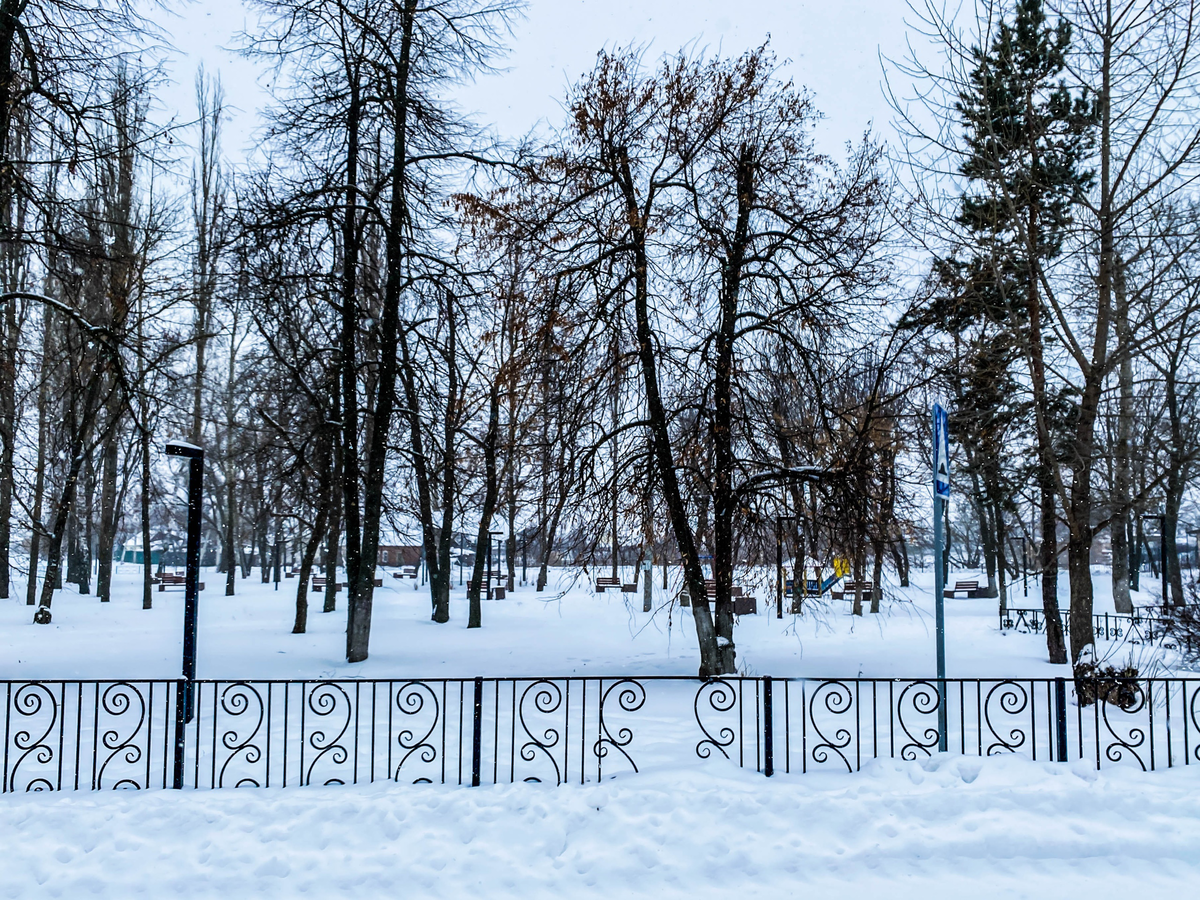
x=1139, y=628
x=63, y=735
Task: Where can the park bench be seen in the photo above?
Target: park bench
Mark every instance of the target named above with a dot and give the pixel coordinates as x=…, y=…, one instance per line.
x=743, y=605
x=849, y=587
x=967, y=588
x=318, y=584
x=606, y=581
x=170, y=579
x=406, y=572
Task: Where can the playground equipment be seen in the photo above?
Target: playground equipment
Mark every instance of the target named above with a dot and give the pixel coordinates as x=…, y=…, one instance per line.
x=816, y=587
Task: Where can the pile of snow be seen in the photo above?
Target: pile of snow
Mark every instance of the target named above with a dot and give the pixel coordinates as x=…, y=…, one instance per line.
x=948, y=827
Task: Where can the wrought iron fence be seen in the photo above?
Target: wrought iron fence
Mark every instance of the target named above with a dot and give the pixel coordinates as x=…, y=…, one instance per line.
x=62, y=735
x=1139, y=628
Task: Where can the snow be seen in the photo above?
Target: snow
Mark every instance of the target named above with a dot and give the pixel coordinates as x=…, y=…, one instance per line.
x=943, y=827
x=567, y=630
x=947, y=827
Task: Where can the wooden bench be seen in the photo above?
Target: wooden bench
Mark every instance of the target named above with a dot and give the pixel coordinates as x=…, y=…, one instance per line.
x=743, y=605
x=318, y=584
x=406, y=572
x=710, y=588
x=969, y=588
x=170, y=579
x=605, y=581
x=849, y=588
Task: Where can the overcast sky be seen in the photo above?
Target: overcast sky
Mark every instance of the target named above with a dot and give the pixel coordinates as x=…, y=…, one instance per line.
x=834, y=50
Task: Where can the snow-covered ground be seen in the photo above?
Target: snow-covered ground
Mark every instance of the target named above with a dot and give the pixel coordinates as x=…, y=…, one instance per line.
x=567, y=630
x=949, y=827
x=942, y=827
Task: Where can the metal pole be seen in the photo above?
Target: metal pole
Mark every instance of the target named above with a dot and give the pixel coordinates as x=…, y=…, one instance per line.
x=524, y=555
x=778, y=571
x=939, y=590
x=768, y=729
x=488, y=573
x=1024, y=567
x=1162, y=552
x=191, y=594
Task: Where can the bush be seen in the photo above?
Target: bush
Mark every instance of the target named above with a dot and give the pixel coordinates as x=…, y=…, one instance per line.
x=1109, y=685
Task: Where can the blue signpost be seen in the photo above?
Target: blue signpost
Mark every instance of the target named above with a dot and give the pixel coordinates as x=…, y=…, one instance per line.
x=941, y=497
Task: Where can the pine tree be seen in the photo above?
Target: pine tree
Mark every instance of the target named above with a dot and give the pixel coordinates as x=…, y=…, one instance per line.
x=1026, y=137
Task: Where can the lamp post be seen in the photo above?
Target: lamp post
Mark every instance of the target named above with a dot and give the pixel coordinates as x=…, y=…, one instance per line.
x=779, y=566
x=185, y=695
x=489, y=562
x=1024, y=567
x=1162, y=550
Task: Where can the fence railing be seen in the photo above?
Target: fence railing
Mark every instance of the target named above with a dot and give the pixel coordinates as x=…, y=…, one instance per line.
x=75, y=735
x=1139, y=628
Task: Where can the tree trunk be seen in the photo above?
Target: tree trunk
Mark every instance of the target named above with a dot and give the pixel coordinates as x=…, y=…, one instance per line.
x=310, y=552
x=490, y=496
x=39, y=477
x=877, y=576
x=108, y=501
x=860, y=565
x=332, y=539
x=360, y=565
x=89, y=494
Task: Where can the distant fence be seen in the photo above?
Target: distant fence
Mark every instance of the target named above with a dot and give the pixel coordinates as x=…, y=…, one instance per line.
x=1139, y=628
x=79, y=735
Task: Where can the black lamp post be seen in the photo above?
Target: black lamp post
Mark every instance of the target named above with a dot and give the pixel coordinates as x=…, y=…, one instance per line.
x=185, y=695
x=779, y=566
x=489, y=561
x=1162, y=550
x=1024, y=567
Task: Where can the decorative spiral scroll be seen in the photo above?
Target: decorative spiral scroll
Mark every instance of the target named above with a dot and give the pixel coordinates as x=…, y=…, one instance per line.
x=1006, y=698
x=631, y=696
x=1130, y=698
x=547, y=699
x=1194, y=712
x=324, y=700
x=720, y=697
x=121, y=700
x=28, y=703
x=837, y=699
x=238, y=700
x=411, y=700
x=922, y=698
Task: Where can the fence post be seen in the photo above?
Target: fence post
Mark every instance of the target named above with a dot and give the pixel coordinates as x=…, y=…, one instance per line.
x=1060, y=717
x=477, y=733
x=181, y=702
x=768, y=729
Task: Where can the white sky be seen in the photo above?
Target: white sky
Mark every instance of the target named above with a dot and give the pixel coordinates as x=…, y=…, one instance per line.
x=834, y=50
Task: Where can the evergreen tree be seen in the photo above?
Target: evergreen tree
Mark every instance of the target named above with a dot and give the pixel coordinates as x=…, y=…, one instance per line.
x=1026, y=135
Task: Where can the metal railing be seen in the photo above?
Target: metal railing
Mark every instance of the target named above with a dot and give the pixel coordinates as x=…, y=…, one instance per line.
x=64, y=735
x=1139, y=628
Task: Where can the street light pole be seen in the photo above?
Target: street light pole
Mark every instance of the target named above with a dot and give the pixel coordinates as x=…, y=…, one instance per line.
x=941, y=498
x=1162, y=551
x=779, y=566
x=1024, y=567
x=489, y=561
x=185, y=694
